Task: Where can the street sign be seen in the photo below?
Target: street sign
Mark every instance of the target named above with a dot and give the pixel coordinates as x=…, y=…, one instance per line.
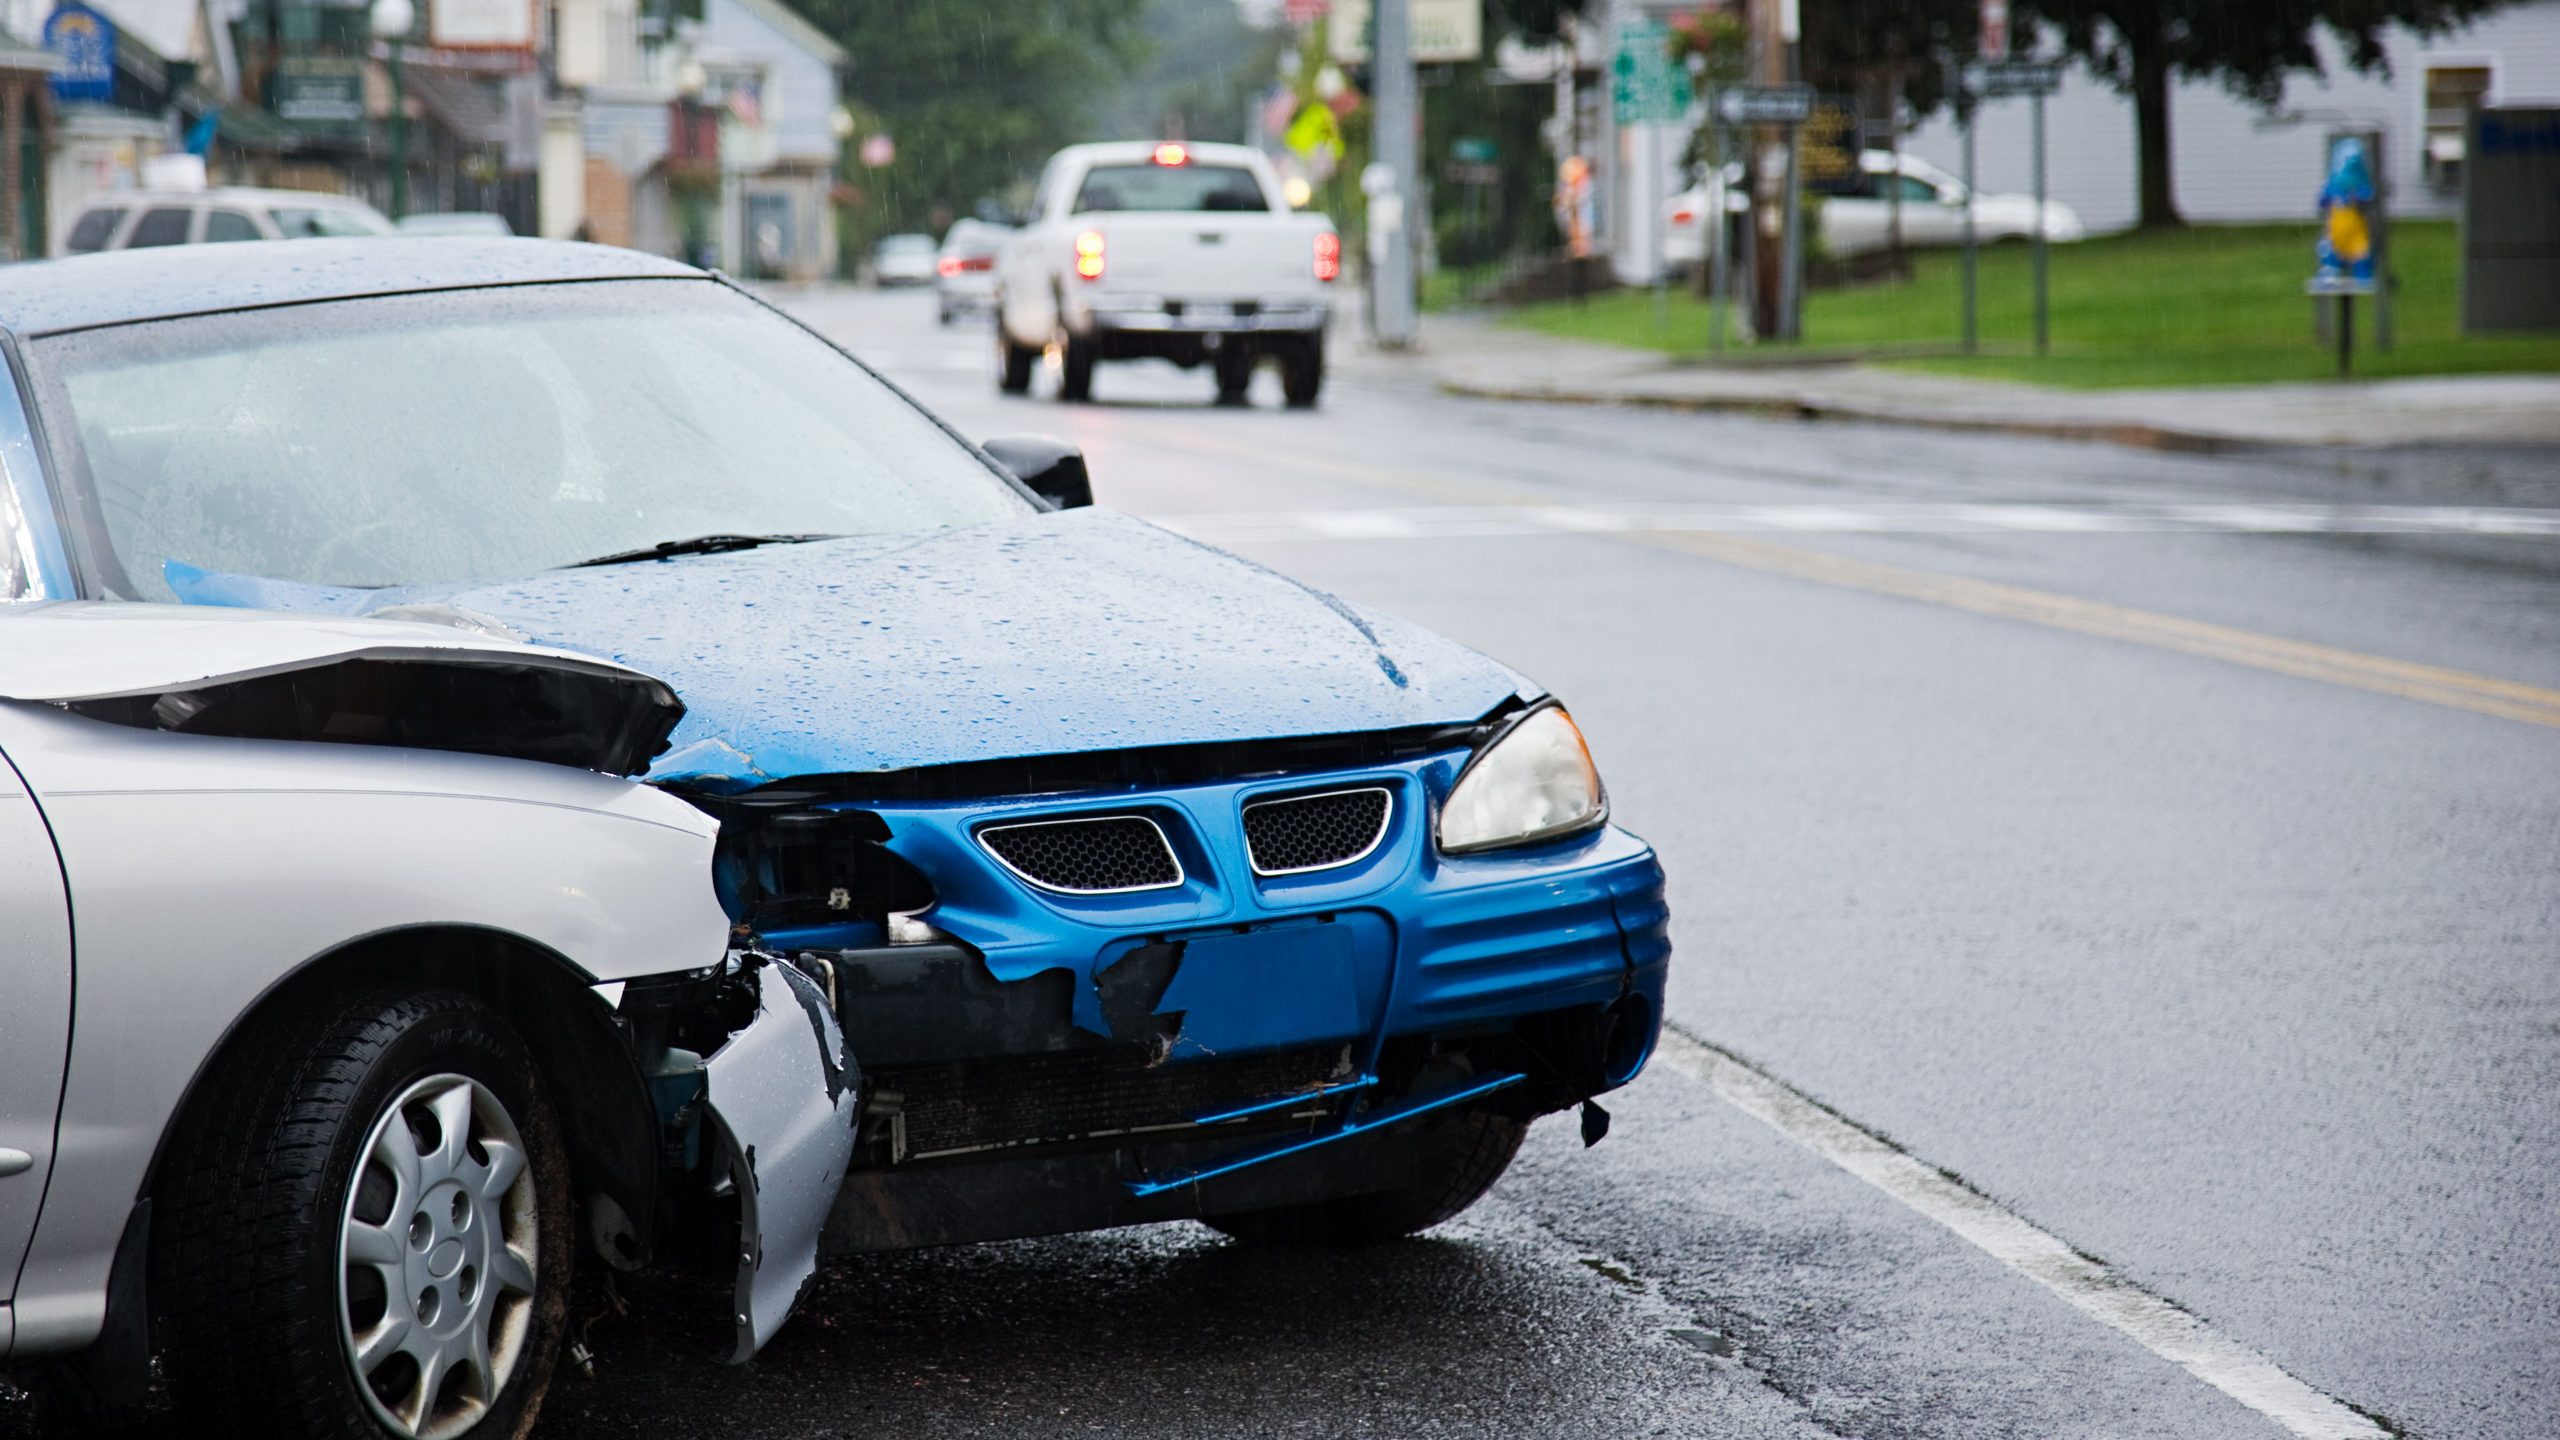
x=1833, y=137
x=1765, y=104
x=318, y=90
x=481, y=25
x=85, y=42
x=1644, y=85
x=1444, y=32
x=1992, y=79
x=1475, y=150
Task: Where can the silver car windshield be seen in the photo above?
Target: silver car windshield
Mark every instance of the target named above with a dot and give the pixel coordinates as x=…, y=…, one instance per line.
x=476, y=434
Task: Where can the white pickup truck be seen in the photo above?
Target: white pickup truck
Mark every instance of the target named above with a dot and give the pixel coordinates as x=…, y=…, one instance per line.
x=1187, y=253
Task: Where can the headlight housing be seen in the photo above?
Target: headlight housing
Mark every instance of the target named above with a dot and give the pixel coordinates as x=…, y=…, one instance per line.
x=1534, y=782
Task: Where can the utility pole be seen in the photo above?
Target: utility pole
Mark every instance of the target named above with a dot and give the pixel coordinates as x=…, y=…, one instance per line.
x=1392, y=141
x=1772, y=175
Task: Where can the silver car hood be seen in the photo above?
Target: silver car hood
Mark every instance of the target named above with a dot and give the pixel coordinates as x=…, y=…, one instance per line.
x=199, y=669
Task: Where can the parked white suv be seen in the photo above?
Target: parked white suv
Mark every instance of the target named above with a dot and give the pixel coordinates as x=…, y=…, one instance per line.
x=1187, y=253
x=136, y=218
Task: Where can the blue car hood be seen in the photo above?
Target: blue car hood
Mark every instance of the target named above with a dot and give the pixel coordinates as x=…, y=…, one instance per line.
x=1062, y=632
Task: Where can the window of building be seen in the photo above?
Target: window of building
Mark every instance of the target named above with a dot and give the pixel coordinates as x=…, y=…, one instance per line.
x=2453, y=92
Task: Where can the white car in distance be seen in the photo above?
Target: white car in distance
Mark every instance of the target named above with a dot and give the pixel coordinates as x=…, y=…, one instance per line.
x=1168, y=251
x=1932, y=210
x=1861, y=222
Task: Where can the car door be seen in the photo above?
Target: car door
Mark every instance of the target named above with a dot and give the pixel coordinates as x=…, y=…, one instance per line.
x=35, y=1015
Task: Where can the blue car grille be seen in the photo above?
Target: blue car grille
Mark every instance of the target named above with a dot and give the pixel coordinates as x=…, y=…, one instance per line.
x=1087, y=854
x=1294, y=834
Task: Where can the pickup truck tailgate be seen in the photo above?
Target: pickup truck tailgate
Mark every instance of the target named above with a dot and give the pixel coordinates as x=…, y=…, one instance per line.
x=1208, y=255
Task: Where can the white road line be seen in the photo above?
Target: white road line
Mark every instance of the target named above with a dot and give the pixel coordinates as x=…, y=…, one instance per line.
x=1446, y=522
x=2156, y=1324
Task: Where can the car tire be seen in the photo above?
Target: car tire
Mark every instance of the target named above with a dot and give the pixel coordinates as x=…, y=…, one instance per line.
x=406, y=1126
x=1075, y=375
x=1234, y=367
x=1013, y=362
x=1461, y=1160
x=1302, y=372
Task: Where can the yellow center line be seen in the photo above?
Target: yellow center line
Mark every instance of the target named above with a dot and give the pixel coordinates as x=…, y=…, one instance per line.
x=2458, y=689
x=2434, y=684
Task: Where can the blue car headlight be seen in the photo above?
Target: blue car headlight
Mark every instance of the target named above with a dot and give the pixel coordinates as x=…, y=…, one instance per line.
x=1534, y=781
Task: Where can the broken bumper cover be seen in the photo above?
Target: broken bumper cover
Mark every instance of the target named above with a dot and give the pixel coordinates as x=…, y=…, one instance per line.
x=1231, y=1017
x=782, y=1096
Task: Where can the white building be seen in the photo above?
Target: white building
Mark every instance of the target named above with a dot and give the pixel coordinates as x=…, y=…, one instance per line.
x=780, y=137
x=2233, y=161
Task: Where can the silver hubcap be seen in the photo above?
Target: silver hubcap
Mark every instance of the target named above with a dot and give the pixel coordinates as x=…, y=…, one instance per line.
x=436, y=1258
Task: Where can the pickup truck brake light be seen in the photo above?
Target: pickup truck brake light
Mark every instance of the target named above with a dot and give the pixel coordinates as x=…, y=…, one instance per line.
x=1089, y=255
x=1172, y=155
x=1328, y=255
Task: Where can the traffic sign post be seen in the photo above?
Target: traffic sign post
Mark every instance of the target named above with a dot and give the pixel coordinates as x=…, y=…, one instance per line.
x=1765, y=104
x=1995, y=79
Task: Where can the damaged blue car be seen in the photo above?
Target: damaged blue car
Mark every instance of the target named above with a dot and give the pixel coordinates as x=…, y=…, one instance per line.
x=1144, y=883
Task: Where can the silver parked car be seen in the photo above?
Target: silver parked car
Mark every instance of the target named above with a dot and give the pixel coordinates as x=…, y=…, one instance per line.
x=381, y=973
x=138, y=219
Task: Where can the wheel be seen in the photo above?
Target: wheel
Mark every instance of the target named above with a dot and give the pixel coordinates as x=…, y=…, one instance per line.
x=942, y=313
x=1302, y=372
x=1462, y=1160
x=1075, y=377
x=1013, y=362
x=1235, y=367
x=363, y=1230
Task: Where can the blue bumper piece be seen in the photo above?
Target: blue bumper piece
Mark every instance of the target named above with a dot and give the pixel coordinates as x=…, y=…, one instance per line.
x=1357, y=1124
x=1402, y=942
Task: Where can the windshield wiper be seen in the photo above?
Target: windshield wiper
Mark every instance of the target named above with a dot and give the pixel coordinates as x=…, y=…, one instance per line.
x=698, y=545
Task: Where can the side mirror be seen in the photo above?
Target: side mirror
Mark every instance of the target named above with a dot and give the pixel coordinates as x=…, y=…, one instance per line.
x=1052, y=469
x=1951, y=198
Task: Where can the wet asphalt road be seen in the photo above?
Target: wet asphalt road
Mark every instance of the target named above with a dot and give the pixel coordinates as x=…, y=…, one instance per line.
x=2240, y=977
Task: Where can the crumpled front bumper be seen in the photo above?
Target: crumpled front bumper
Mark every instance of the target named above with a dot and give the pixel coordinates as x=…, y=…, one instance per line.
x=783, y=1096
x=1379, y=971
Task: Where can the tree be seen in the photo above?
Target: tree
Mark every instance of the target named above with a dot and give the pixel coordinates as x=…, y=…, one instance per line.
x=975, y=93
x=2143, y=46
x=1851, y=44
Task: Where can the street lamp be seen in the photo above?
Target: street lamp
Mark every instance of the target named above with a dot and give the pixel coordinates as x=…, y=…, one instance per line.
x=392, y=21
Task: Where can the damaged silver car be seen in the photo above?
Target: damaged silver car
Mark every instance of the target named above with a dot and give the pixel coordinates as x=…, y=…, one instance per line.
x=347, y=994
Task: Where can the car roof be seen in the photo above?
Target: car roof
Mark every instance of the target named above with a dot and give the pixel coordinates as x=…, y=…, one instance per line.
x=164, y=281
x=235, y=194
x=1137, y=152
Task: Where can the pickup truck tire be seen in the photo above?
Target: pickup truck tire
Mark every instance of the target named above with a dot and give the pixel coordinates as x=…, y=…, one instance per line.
x=1075, y=375
x=1302, y=372
x=1235, y=366
x=1460, y=1161
x=275, y=1167
x=1013, y=362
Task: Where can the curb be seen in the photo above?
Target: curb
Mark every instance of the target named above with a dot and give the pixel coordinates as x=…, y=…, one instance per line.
x=2133, y=434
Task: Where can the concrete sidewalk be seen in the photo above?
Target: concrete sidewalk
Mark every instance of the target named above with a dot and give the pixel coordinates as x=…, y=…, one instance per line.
x=1469, y=355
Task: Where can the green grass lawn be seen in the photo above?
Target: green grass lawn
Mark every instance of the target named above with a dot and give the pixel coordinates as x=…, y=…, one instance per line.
x=2212, y=305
